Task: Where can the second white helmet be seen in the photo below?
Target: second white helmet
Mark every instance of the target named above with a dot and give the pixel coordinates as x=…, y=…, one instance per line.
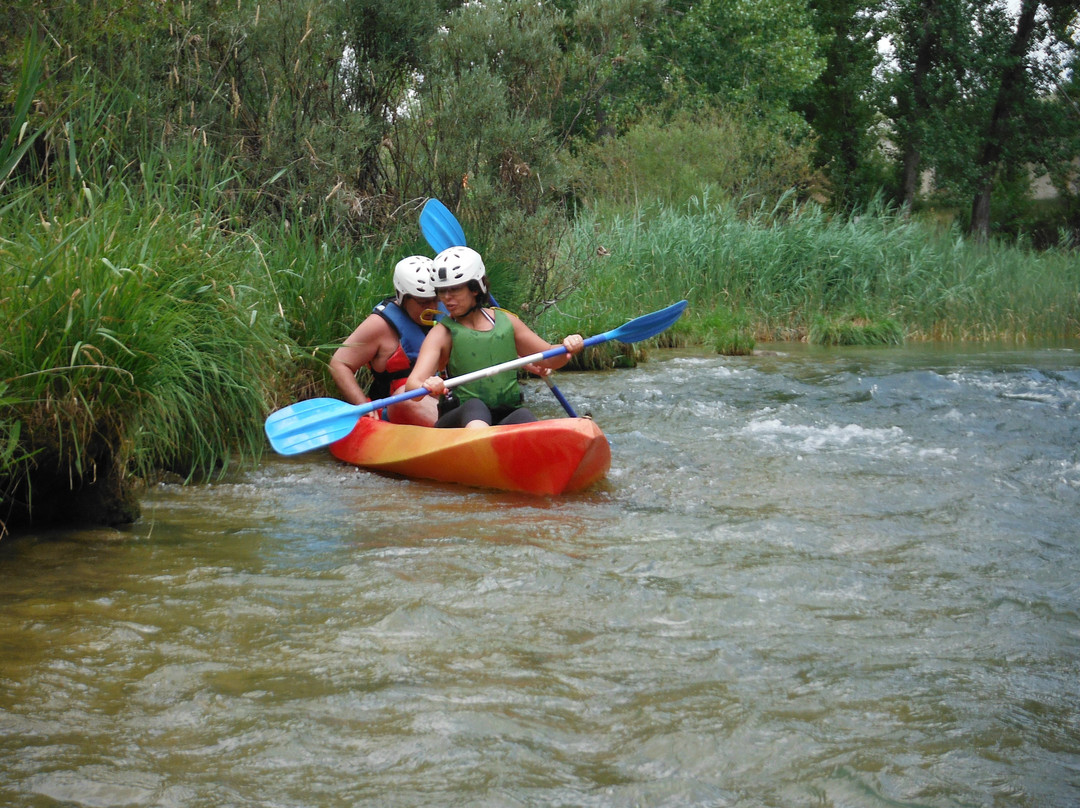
x=414, y=276
x=458, y=265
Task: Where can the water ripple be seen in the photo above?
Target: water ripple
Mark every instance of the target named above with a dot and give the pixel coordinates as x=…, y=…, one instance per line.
x=811, y=578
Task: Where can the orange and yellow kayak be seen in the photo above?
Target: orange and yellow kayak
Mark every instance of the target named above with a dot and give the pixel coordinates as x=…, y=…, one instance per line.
x=555, y=456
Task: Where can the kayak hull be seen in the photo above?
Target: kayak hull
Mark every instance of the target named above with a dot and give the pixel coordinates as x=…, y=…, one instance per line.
x=549, y=457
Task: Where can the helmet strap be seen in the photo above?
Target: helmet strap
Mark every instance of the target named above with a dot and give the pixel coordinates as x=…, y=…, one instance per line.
x=481, y=298
x=477, y=305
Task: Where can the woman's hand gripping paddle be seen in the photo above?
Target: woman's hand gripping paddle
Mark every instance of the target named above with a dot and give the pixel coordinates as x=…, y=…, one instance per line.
x=319, y=422
x=442, y=231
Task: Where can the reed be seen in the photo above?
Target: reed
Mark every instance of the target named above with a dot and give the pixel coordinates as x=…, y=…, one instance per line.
x=855, y=329
x=135, y=339
x=323, y=287
x=786, y=265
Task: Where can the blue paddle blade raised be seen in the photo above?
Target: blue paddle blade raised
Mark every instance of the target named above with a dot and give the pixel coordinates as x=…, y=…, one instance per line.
x=440, y=228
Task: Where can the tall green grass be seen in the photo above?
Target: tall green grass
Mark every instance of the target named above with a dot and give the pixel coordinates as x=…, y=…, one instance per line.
x=142, y=332
x=783, y=266
x=324, y=288
x=134, y=339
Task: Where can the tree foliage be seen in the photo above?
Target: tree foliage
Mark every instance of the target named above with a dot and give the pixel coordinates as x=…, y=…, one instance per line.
x=725, y=51
x=839, y=105
x=974, y=95
x=337, y=113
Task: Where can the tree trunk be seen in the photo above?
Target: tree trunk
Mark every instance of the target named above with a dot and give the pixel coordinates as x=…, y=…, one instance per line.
x=920, y=104
x=998, y=131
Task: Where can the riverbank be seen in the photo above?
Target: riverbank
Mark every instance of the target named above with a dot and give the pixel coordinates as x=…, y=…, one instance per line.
x=145, y=335
x=798, y=273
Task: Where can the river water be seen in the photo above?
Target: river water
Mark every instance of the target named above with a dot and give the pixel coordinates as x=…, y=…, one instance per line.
x=812, y=578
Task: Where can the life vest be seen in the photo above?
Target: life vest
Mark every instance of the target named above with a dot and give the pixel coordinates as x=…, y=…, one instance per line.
x=474, y=350
x=399, y=365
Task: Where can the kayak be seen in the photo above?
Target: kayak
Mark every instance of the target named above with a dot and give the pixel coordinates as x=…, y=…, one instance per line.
x=554, y=456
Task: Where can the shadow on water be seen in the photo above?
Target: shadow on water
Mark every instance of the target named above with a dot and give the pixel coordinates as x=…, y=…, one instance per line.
x=812, y=578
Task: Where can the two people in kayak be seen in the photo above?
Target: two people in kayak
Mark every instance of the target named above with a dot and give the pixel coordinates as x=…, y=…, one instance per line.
x=405, y=351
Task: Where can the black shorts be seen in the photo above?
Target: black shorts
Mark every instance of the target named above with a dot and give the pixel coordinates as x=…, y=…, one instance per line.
x=476, y=410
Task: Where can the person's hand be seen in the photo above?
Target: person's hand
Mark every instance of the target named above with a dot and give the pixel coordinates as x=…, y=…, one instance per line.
x=575, y=343
x=538, y=370
x=373, y=414
x=435, y=385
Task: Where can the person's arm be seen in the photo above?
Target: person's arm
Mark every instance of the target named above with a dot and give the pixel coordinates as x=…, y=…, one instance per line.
x=529, y=342
x=433, y=356
x=358, y=350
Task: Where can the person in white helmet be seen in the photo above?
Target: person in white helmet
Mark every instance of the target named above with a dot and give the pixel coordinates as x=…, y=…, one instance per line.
x=388, y=342
x=475, y=335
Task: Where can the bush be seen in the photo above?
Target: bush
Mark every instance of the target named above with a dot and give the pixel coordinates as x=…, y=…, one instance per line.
x=729, y=150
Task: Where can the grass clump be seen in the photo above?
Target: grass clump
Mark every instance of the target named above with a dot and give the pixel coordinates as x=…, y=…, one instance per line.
x=729, y=332
x=855, y=330
x=135, y=340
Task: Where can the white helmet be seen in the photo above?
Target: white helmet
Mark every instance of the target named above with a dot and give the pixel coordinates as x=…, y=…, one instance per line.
x=457, y=265
x=414, y=276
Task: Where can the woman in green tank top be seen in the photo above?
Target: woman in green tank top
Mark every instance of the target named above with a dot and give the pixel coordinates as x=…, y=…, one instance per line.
x=474, y=336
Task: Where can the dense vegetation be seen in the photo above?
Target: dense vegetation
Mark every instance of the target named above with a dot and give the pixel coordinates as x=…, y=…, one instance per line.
x=199, y=199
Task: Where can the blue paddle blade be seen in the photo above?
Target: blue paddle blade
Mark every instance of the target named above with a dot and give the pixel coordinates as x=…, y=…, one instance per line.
x=648, y=325
x=440, y=228
x=311, y=424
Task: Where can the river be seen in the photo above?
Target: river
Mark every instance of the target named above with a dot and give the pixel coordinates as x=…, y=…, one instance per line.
x=845, y=577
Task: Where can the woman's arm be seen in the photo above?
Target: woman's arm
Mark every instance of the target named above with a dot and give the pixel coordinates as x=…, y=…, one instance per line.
x=359, y=349
x=433, y=356
x=529, y=342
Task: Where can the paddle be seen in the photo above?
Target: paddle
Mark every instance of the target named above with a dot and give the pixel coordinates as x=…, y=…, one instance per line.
x=442, y=231
x=319, y=422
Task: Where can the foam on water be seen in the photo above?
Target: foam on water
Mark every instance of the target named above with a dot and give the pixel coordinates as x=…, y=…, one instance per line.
x=812, y=438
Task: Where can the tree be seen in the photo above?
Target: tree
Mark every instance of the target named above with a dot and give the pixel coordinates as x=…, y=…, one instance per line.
x=302, y=94
x=1023, y=78
x=707, y=52
x=932, y=43
x=839, y=105
x=970, y=95
x=508, y=86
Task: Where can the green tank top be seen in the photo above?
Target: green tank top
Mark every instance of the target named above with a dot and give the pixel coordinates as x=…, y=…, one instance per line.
x=475, y=350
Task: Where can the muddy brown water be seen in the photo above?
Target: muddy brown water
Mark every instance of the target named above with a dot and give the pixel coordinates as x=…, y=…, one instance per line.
x=812, y=578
